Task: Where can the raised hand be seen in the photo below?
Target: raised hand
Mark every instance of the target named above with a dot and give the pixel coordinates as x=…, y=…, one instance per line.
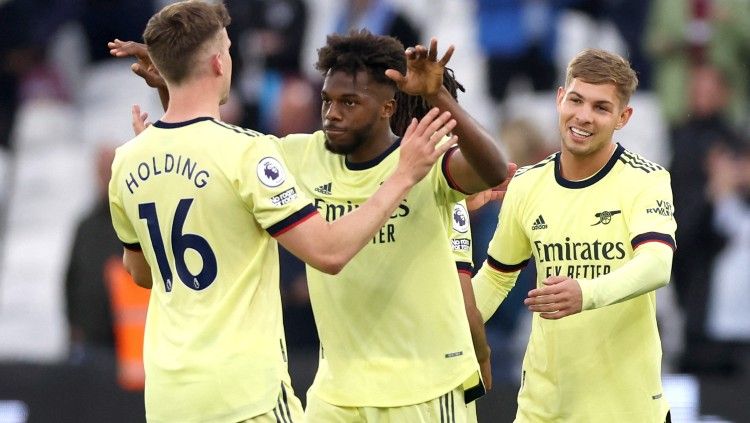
x=421, y=145
x=143, y=67
x=139, y=119
x=424, y=72
x=480, y=199
x=559, y=296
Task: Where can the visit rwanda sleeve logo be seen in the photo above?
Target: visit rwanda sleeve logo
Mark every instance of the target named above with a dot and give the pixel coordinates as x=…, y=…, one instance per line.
x=270, y=172
x=663, y=208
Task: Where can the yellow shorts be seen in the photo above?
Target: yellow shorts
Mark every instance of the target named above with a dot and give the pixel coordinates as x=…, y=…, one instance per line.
x=288, y=409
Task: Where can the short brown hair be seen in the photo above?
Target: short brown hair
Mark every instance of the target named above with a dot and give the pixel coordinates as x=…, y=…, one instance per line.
x=596, y=66
x=175, y=35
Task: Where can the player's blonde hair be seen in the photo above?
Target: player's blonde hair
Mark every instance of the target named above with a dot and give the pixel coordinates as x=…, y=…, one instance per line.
x=595, y=66
x=175, y=35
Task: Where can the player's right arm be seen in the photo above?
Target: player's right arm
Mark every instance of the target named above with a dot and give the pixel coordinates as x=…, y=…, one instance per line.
x=135, y=263
x=328, y=246
x=507, y=254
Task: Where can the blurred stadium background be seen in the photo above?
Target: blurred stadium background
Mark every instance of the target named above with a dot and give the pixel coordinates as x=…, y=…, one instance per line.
x=65, y=104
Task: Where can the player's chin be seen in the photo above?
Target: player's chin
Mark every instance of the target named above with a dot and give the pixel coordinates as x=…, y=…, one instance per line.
x=337, y=147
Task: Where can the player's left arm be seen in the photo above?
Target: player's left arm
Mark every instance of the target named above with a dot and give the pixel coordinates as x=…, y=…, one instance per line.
x=478, y=163
x=143, y=66
x=461, y=246
x=561, y=296
x=652, y=227
x=476, y=326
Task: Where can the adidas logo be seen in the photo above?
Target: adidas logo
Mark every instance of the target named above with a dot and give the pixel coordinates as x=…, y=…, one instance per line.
x=539, y=223
x=324, y=189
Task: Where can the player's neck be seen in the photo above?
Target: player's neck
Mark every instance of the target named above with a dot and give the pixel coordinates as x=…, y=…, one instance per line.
x=373, y=147
x=579, y=168
x=186, y=103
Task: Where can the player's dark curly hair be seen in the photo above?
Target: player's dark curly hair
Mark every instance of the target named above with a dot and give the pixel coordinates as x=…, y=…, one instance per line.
x=410, y=106
x=361, y=50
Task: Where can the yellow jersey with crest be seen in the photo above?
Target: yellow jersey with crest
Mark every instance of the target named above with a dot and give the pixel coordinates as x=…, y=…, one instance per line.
x=202, y=200
x=603, y=364
x=392, y=324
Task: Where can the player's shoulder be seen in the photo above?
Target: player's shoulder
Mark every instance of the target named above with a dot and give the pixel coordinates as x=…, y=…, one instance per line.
x=303, y=144
x=237, y=130
x=239, y=133
x=302, y=139
x=638, y=166
x=124, y=150
x=536, y=170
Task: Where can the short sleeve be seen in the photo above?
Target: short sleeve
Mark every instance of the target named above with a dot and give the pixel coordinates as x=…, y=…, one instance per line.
x=269, y=189
x=122, y=225
x=461, y=238
x=446, y=189
x=652, y=213
x=509, y=250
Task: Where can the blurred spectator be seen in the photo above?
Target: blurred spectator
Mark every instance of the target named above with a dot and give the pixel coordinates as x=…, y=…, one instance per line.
x=629, y=18
x=380, y=17
x=87, y=301
x=518, y=38
x=26, y=29
x=705, y=128
x=680, y=33
x=269, y=35
x=729, y=190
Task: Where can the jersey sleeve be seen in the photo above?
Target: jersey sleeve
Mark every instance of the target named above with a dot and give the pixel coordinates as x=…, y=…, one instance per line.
x=270, y=190
x=445, y=186
x=291, y=147
x=652, y=228
x=120, y=222
x=461, y=238
x=507, y=254
x=510, y=250
x=652, y=214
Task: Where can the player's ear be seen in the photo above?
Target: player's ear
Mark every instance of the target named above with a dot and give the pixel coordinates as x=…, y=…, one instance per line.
x=559, y=97
x=216, y=64
x=388, y=109
x=624, y=117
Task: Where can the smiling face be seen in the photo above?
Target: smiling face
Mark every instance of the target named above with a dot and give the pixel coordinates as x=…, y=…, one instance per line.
x=588, y=115
x=354, y=111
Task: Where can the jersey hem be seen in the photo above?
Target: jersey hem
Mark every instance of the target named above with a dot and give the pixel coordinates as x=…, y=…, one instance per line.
x=429, y=396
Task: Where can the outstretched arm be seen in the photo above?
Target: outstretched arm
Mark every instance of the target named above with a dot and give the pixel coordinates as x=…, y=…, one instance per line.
x=143, y=66
x=328, y=246
x=478, y=164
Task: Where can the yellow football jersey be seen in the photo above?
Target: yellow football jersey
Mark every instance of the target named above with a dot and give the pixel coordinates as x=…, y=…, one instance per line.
x=603, y=364
x=202, y=200
x=392, y=324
